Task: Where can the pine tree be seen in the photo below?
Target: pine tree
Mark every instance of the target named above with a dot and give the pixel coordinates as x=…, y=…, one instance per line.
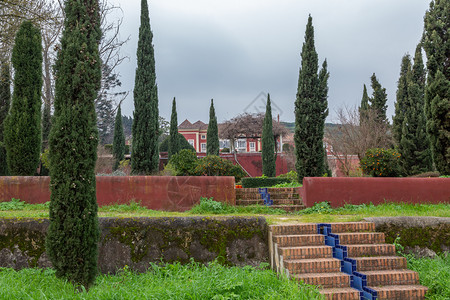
x=72, y=237
x=401, y=105
x=268, y=143
x=437, y=101
x=145, y=154
x=5, y=99
x=364, y=106
x=378, y=99
x=174, y=145
x=118, y=147
x=212, y=135
x=310, y=110
x=23, y=124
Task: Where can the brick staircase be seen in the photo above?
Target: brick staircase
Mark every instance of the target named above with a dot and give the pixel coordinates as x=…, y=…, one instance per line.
x=284, y=198
x=347, y=260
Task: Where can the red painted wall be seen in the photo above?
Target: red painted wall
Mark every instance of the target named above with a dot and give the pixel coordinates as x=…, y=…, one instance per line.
x=358, y=190
x=155, y=192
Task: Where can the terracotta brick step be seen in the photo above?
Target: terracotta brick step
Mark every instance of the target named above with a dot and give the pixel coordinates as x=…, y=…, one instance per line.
x=400, y=292
x=306, y=252
x=361, y=238
x=291, y=229
x=377, y=263
x=289, y=208
x=275, y=201
x=370, y=250
x=352, y=227
x=317, y=265
x=391, y=277
x=341, y=294
x=272, y=195
x=299, y=240
x=325, y=280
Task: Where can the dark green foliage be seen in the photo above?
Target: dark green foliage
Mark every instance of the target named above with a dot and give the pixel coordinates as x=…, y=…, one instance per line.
x=184, y=162
x=436, y=43
x=379, y=162
x=326, y=166
x=402, y=103
x=213, y=165
x=73, y=233
x=212, y=135
x=174, y=139
x=310, y=110
x=182, y=144
x=378, y=99
x=22, y=136
x=144, y=150
x=46, y=125
x=268, y=143
x=254, y=182
x=5, y=99
x=364, y=106
x=118, y=147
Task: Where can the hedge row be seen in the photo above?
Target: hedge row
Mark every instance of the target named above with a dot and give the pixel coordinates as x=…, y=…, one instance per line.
x=254, y=182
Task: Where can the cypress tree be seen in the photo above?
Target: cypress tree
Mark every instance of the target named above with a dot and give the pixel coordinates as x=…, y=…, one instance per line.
x=46, y=125
x=437, y=101
x=378, y=100
x=268, y=143
x=5, y=99
x=401, y=104
x=310, y=110
x=174, y=145
x=212, y=135
x=73, y=233
x=23, y=124
x=364, y=106
x=118, y=147
x=145, y=153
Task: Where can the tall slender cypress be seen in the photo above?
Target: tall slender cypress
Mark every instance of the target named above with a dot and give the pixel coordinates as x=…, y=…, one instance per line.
x=364, y=106
x=268, y=143
x=378, y=99
x=119, y=140
x=437, y=101
x=145, y=152
x=402, y=104
x=5, y=99
x=174, y=140
x=73, y=234
x=310, y=110
x=212, y=135
x=23, y=124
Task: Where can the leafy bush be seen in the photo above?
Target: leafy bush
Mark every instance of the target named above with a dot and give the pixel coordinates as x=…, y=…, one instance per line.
x=209, y=206
x=254, y=182
x=225, y=150
x=14, y=204
x=213, y=165
x=292, y=175
x=184, y=162
x=318, y=208
x=379, y=162
x=182, y=142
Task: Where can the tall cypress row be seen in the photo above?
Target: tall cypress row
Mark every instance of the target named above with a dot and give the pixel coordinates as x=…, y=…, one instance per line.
x=212, y=135
x=23, y=124
x=73, y=233
x=174, y=140
x=402, y=104
x=5, y=99
x=437, y=101
x=118, y=147
x=268, y=143
x=364, y=106
x=145, y=152
x=378, y=99
x=310, y=110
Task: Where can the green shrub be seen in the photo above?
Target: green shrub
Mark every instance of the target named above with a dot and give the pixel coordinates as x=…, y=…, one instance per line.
x=318, y=208
x=379, y=162
x=209, y=206
x=225, y=150
x=254, y=182
x=292, y=175
x=213, y=165
x=184, y=162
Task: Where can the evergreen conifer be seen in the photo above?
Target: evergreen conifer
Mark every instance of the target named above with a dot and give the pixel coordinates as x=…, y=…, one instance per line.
x=364, y=106
x=378, y=99
x=22, y=136
x=402, y=103
x=72, y=237
x=268, y=143
x=5, y=99
x=118, y=147
x=174, y=141
x=145, y=153
x=212, y=135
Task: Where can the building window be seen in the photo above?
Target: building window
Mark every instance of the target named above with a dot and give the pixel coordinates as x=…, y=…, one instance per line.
x=241, y=145
x=252, y=147
x=191, y=142
x=203, y=137
x=224, y=144
x=203, y=145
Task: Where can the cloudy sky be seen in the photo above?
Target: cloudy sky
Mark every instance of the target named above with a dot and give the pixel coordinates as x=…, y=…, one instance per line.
x=235, y=51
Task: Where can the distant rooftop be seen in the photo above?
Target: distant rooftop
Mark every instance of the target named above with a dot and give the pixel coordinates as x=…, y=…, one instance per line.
x=199, y=125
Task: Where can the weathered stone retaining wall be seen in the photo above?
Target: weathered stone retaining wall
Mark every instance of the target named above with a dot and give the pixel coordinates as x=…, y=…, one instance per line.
x=137, y=242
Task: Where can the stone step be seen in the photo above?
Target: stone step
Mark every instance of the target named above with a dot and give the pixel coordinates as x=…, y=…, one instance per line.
x=272, y=196
x=317, y=265
x=306, y=252
x=378, y=263
x=355, y=238
x=341, y=293
x=289, y=208
x=400, y=292
x=370, y=250
x=391, y=277
x=352, y=227
x=299, y=240
x=325, y=280
x=291, y=229
x=275, y=201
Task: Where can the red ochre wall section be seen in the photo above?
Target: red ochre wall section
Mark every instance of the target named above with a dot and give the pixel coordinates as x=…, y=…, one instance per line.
x=339, y=191
x=154, y=192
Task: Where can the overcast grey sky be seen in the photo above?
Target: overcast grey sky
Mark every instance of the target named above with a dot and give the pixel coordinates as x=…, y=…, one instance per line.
x=232, y=50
